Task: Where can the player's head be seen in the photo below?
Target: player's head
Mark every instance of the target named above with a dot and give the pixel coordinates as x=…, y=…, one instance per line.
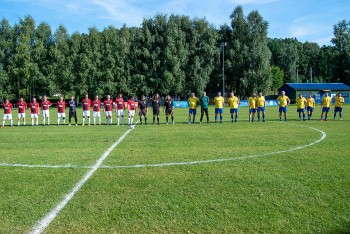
x=204, y=94
x=96, y=97
x=193, y=94
x=156, y=96
x=339, y=94
x=260, y=94
x=34, y=99
x=61, y=99
x=219, y=94
x=253, y=95
x=232, y=94
x=143, y=97
x=283, y=93
x=72, y=97
x=108, y=97
x=132, y=97
x=326, y=94
x=44, y=97
x=310, y=95
x=86, y=96
x=6, y=100
x=300, y=96
x=120, y=95
x=21, y=99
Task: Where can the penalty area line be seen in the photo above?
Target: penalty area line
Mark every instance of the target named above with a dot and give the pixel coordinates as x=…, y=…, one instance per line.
x=43, y=223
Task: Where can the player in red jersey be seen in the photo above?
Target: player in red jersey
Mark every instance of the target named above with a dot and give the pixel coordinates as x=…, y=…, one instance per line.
x=96, y=105
x=119, y=107
x=61, y=111
x=34, y=111
x=7, y=106
x=86, y=103
x=108, y=109
x=131, y=108
x=45, y=106
x=21, y=106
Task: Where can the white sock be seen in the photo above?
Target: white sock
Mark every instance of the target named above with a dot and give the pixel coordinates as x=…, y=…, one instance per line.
x=37, y=121
x=58, y=121
x=24, y=123
x=110, y=120
x=118, y=120
x=89, y=121
x=106, y=120
x=11, y=122
x=131, y=120
x=48, y=121
x=19, y=122
x=32, y=122
x=44, y=120
x=3, y=122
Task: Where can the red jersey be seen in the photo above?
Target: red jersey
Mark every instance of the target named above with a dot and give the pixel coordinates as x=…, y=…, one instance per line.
x=86, y=103
x=108, y=104
x=7, y=108
x=96, y=104
x=120, y=103
x=34, y=107
x=22, y=107
x=131, y=105
x=45, y=105
x=61, y=106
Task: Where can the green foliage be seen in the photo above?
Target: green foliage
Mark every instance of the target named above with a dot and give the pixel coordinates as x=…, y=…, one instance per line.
x=277, y=77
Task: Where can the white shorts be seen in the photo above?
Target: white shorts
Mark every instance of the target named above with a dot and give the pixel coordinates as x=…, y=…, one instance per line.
x=61, y=115
x=21, y=115
x=46, y=113
x=131, y=112
x=86, y=113
x=7, y=116
x=108, y=113
x=120, y=112
x=96, y=114
x=34, y=116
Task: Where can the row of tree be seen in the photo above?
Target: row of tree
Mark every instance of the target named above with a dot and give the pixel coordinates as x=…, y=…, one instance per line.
x=167, y=54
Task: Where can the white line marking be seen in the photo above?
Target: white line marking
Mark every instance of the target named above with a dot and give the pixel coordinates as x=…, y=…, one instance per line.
x=44, y=222
x=323, y=136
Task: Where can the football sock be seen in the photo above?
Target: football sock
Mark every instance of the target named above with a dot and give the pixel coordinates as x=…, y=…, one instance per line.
x=19, y=123
x=106, y=120
x=48, y=121
x=263, y=117
x=37, y=121
x=303, y=115
x=258, y=117
x=110, y=120
x=194, y=118
x=83, y=121
x=216, y=118
x=340, y=115
x=64, y=120
x=89, y=121
x=118, y=120
x=58, y=121
x=335, y=115
x=3, y=122
x=172, y=118
x=122, y=119
x=236, y=116
x=232, y=117
x=131, y=120
x=94, y=120
x=220, y=118
x=154, y=119
x=167, y=118
x=145, y=120
x=32, y=122
x=158, y=120
x=11, y=122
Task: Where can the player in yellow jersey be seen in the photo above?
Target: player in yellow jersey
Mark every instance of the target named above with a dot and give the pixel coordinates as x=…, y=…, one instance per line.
x=326, y=106
x=219, y=104
x=339, y=101
x=310, y=106
x=233, y=102
x=252, y=107
x=193, y=102
x=261, y=106
x=283, y=101
x=301, y=103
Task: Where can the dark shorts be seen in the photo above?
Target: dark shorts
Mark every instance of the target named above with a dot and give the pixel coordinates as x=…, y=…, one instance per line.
x=168, y=111
x=233, y=110
x=283, y=109
x=192, y=111
x=261, y=108
x=338, y=109
x=143, y=112
x=252, y=110
x=156, y=111
x=310, y=108
x=219, y=110
x=72, y=114
x=326, y=109
x=300, y=110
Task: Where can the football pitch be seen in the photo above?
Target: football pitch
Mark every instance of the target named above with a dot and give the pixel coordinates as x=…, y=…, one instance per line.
x=271, y=177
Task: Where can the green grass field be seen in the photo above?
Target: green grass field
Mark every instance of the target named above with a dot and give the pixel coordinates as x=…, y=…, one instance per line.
x=272, y=177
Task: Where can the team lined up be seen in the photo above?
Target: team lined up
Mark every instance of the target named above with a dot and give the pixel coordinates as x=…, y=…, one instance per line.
x=257, y=104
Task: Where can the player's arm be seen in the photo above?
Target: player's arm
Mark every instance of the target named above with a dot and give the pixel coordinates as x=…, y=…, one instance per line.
x=278, y=102
x=288, y=102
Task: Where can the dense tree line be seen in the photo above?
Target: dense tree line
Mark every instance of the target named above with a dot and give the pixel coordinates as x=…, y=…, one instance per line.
x=167, y=54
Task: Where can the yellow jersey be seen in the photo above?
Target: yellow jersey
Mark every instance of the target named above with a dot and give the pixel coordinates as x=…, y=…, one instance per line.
x=193, y=102
x=219, y=102
x=252, y=102
x=326, y=102
x=284, y=100
x=233, y=102
x=310, y=102
x=301, y=103
x=260, y=101
x=339, y=101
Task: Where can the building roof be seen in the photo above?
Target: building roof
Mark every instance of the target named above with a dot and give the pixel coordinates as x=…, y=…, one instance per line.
x=318, y=86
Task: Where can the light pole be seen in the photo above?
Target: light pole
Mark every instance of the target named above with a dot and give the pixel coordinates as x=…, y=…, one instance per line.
x=222, y=46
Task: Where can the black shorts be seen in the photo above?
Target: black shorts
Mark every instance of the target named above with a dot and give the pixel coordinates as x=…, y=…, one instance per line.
x=156, y=111
x=143, y=112
x=168, y=111
x=72, y=114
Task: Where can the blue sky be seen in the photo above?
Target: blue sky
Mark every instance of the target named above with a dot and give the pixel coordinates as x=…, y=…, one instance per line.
x=307, y=20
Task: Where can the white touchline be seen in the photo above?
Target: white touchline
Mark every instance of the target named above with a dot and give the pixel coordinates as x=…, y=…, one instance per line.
x=44, y=222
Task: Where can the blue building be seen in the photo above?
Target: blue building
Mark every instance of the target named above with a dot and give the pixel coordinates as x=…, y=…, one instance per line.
x=316, y=89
